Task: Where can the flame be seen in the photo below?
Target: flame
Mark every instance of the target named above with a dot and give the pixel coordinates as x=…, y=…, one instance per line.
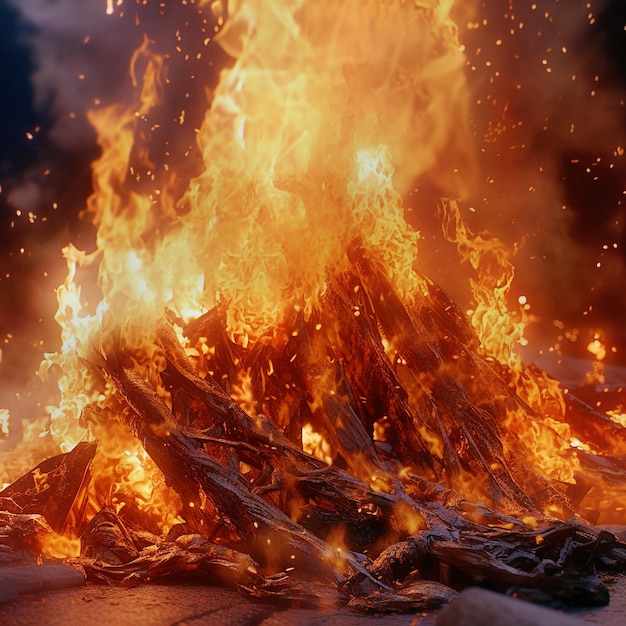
x=58, y=546
x=546, y=440
x=313, y=136
x=287, y=154
x=243, y=394
x=294, y=171
x=499, y=328
x=288, y=151
x=315, y=444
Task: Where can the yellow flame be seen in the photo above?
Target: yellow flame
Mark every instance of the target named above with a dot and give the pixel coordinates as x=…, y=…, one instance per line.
x=242, y=392
x=309, y=139
x=546, y=439
x=500, y=329
x=328, y=113
x=315, y=444
x=58, y=546
x=4, y=422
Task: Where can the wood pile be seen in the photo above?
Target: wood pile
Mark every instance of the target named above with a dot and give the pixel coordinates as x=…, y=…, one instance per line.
x=381, y=528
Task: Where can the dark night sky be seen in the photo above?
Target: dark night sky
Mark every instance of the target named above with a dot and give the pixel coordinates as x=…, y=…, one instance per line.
x=45, y=96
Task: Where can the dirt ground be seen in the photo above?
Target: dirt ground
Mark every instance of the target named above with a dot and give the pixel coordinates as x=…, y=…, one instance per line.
x=178, y=605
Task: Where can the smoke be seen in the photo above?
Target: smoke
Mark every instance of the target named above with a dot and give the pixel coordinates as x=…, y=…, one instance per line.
x=81, y=57
x=549, y=86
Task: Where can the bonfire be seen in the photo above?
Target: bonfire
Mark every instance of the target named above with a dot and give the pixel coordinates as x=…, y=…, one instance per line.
x=264, y=390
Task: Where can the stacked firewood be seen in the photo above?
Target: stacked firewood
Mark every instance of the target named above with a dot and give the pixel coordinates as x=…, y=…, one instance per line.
x=409, y=408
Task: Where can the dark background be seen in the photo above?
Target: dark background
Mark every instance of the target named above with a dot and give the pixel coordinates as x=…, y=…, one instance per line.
x=52, y=72
x=549, y=121
x=550, y=177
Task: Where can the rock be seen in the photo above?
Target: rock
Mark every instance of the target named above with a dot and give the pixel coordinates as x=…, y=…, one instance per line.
x=478, y=606
x=36, y=578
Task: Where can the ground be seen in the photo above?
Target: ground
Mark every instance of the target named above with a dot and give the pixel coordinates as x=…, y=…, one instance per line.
x=186, y=605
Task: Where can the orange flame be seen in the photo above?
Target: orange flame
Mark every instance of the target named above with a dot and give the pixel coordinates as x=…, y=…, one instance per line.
x=329, y=112
x=309, y=141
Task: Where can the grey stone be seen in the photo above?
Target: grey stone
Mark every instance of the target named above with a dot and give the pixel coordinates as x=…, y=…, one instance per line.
x=476, y=606
x=35, y=578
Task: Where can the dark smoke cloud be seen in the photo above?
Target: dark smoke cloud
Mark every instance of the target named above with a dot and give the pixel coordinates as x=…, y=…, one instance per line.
x=81, y=54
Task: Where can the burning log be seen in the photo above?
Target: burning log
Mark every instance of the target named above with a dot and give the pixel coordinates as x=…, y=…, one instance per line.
x=55, y=489
x=546, y=566
x=20, y=536
x=416, y=594
x=234, y=512
x=264, y=515
x=113, y=553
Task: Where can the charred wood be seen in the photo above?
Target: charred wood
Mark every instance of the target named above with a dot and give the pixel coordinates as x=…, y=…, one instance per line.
x=243, y=518
x=54, y=489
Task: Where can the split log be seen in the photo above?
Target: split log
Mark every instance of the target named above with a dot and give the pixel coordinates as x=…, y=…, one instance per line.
x=588, y=424
x=112, y=552
x=449, y=422
x=336, y=496
x=546, y=584
x=229, y=510
x=55, y=489
x=412, y=596
x=290, y=468
x=458, y=401
x=554, y=565
x=411, y=411
x=107, y=539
